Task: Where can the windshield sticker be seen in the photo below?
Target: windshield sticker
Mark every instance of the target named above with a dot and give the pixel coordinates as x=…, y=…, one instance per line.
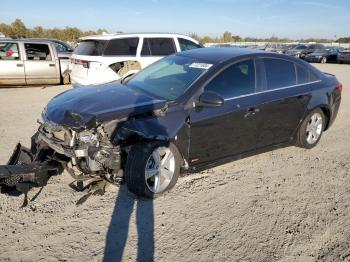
x=201, y=65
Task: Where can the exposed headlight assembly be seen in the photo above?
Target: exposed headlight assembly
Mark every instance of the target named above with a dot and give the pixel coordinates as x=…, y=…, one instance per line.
x=87, y=138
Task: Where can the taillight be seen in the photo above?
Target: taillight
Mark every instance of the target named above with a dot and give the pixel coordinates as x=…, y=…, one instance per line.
x=84, y=63
x=340, y=87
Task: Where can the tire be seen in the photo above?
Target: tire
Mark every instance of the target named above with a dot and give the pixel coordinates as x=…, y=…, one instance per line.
x=324, y=60
x=142, y=160
x=310, y=133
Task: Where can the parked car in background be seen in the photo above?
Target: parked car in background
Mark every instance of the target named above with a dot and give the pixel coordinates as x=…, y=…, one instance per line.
x=105, y=58
x=302, y=50
x=64, y=50
x=344, y=56
x=276, y=48
x=31, y=62
x=323, y=55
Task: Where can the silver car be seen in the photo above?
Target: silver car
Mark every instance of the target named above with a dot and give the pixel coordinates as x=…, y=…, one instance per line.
x=31, y=62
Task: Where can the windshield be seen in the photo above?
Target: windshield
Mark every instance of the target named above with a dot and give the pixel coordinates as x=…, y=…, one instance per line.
x=170, y=77
x=299, y=47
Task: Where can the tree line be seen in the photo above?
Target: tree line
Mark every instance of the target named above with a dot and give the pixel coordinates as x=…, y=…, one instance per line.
x=17, y=29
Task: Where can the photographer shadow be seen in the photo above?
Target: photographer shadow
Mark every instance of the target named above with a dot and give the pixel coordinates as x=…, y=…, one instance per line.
x=119, y=226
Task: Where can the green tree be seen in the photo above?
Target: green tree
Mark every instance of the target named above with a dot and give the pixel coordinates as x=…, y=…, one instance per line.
x=227, y=37
x=18, y=29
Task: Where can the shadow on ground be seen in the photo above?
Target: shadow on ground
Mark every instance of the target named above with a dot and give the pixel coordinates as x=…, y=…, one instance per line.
x=118, y=229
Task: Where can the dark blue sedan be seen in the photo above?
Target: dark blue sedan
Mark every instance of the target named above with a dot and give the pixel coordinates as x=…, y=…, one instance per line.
x=189, y=111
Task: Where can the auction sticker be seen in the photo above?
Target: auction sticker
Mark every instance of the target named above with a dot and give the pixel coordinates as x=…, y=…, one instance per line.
x=201, y=65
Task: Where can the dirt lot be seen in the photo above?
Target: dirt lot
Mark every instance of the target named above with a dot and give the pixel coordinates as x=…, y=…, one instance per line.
x=287, y=205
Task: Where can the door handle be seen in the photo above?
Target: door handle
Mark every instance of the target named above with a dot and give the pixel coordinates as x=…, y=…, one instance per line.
x=19, y=65
x=52, y=65
x=252, y=111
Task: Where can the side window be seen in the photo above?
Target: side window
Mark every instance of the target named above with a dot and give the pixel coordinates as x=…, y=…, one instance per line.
x=158, y=47
x=122, y=47
x=303, y=75
x=9, y=51
x=236, y=80
x=37, y=52
x=187, y=44
x=279, y=73
x=145, y=48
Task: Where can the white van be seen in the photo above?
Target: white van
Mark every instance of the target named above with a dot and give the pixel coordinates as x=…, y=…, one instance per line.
x=105, y=58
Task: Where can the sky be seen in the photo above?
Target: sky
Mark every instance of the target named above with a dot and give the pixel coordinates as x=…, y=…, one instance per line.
x=294, y=19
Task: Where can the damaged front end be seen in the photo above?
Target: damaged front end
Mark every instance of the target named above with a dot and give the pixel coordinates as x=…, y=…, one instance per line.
x=85, y=155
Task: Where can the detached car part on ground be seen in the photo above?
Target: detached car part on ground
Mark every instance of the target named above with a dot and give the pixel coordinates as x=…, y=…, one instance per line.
x=187, y=112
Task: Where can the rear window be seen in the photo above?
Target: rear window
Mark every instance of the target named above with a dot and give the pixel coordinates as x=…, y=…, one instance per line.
x=279, y=73
x=187, y=44
x=90, y=47
x=158, y=47
x=122, y=47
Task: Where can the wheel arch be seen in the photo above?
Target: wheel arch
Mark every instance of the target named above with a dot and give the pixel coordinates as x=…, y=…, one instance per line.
x=326, y=111
x=153, y=130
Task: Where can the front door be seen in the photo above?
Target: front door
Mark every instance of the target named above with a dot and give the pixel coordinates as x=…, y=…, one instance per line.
x=11, y=64
x=41, y=67
x=233, y=128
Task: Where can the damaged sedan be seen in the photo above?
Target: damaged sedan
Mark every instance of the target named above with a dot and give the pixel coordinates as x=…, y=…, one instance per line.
x=187, y=112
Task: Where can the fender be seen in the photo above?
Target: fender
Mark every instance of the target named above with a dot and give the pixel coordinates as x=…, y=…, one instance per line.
x=172, y=127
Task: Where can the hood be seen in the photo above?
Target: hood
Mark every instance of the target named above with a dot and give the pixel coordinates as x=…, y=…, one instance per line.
x=294, y=51
x=86, y=107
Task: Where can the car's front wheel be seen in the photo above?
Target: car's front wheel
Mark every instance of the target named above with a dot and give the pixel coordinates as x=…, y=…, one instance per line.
x=311, y=129
x=152, y=168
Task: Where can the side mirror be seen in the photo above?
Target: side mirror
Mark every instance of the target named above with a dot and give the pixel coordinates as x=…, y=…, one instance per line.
x=210, y=99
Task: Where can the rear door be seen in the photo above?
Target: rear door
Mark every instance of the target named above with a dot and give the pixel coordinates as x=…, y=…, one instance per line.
x=40, y=64
x=287, y=93
x=233, y=128
x=155, y=48
x=11, y=64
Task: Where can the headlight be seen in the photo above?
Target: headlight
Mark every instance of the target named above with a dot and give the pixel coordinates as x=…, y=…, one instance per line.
x=43, y=117
x=87, y=138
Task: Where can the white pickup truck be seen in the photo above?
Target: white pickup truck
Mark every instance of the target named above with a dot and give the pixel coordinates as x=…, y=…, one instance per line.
x=32, y=62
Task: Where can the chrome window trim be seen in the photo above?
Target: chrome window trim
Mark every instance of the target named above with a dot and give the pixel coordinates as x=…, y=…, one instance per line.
x=276, y=89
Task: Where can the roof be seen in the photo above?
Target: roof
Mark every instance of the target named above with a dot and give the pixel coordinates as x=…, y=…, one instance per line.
x=122, y=35
x=39, y=40
x=220, y=54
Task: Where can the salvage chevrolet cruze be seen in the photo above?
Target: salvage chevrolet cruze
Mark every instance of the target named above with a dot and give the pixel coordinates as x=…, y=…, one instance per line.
x=189, y=111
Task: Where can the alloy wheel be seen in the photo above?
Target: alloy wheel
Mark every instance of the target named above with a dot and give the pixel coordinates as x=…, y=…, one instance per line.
x=314, y=128
x=160, y=169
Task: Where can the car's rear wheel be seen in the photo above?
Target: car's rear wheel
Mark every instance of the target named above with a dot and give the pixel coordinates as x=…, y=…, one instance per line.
x=324, y=60
x=311, y=129
x=152, y=168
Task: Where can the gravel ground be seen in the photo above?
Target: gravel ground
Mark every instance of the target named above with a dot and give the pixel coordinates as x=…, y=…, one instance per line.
x=286, y=205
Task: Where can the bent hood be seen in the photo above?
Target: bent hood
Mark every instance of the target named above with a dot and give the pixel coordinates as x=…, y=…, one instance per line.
x=86, y=107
